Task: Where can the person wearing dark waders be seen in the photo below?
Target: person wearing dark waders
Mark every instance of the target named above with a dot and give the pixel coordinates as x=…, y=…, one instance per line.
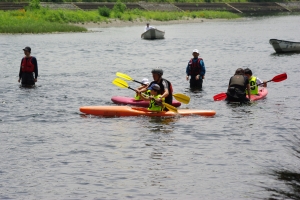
x=166, y=89
x=195, y=69
x=28, y=69
x=238, y=85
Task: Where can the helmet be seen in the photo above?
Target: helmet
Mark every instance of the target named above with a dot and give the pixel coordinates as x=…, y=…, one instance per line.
x=157, y=71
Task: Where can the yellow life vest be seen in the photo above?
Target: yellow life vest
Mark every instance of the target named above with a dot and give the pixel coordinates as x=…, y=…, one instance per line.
x=153, y=106
x=137, y=97
x=253, y=86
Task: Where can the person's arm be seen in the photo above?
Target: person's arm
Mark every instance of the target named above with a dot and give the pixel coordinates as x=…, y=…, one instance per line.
x=248, y=89
x=142, y=89
x=187, y=71
x=145, y=98
x=166, y=91
x=260, y=82
x=247, y=86
x=34, y=62
x=20, y=72
x=202, y=69
x=229, y=82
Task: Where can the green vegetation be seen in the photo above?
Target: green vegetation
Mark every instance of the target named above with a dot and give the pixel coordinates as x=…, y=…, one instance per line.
x=33, y=22
x=35, y=19
x=158, y=1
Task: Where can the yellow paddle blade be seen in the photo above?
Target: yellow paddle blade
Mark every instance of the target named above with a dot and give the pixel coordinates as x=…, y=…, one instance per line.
x=170, y=107
x=120, y=83
x=182, y=98
x=125, y=76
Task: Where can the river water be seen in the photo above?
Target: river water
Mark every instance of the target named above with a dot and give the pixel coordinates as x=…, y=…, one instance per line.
x=49, y=150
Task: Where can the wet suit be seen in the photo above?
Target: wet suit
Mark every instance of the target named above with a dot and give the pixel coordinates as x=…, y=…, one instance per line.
x=237, y=89
x=196, y=67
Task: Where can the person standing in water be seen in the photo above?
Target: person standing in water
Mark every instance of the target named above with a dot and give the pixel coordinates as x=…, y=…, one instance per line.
x=195, y=69
x=27, y=68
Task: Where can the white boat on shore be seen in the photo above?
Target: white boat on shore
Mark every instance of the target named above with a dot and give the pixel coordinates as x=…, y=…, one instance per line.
x=153, y=34
x=282, y=46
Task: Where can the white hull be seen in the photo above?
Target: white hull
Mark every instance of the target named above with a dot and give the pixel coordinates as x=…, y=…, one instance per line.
x=153, y=34
x=281, y=46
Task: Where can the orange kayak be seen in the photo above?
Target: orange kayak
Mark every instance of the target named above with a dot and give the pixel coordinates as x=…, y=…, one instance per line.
x=124, y=111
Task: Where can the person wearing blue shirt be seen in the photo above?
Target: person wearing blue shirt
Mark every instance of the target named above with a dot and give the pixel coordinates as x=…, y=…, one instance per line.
x=195, y=69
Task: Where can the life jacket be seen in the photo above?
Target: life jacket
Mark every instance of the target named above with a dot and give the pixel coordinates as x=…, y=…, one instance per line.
x=236, y=89
x=169, y=98
x=194, y=67
x=137, y=97
x=237, y=80
x=253, y=86
x=27, y=65
x=153, y=106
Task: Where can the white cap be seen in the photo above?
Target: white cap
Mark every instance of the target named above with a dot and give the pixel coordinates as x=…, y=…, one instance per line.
x=145, y=81
x=195, y=51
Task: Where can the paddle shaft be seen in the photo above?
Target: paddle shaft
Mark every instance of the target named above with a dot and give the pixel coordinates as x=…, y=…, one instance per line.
x=180, y=97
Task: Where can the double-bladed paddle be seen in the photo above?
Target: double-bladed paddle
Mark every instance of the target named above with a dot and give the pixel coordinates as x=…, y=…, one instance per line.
x=278, y=78
x=179, y=97
x=123, y=84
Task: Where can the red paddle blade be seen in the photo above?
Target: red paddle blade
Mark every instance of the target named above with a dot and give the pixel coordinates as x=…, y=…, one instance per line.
x=280, y=77
x=220, y=97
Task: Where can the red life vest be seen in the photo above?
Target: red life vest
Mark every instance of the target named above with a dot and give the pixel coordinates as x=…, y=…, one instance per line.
x=194, y=67
x=27, y=65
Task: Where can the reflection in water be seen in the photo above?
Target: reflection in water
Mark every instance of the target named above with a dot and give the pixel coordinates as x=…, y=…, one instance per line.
x=284, y=54
x=290, y=178
x=160, y=124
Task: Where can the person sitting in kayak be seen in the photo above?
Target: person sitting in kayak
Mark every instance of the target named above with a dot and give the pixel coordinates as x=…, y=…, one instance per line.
x=147, y=27
x=145, y=83
x=166, y=88
x=238, y=84
x=254, y=82
x=154, y=94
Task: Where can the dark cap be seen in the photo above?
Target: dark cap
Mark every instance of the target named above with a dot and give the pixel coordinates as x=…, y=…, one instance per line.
x=27, y=49
x=155, y=87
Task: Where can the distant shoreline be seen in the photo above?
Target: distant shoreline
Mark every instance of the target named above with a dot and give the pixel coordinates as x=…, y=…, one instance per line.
x=119, y=23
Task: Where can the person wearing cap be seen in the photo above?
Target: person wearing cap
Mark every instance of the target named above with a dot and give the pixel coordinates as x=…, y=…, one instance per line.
x=254, y=82
x=145, y=83
x=195, y=69
x=27, y=68
x=166, y=88
x=238, y=84
x=154, y=94
x=147, y=27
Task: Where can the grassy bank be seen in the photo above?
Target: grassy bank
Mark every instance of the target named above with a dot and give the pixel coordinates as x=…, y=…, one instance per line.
x=159, y=1
x=22, y=21
x=46, y=21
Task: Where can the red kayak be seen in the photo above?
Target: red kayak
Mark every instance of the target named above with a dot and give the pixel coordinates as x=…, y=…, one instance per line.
x=262, y=93
x=132, y=101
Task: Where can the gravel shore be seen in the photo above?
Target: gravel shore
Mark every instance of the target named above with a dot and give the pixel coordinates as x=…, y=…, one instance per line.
x=119, y=23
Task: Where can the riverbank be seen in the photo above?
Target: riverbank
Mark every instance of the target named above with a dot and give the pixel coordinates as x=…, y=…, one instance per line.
x=48, y=21
x=155, y=23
